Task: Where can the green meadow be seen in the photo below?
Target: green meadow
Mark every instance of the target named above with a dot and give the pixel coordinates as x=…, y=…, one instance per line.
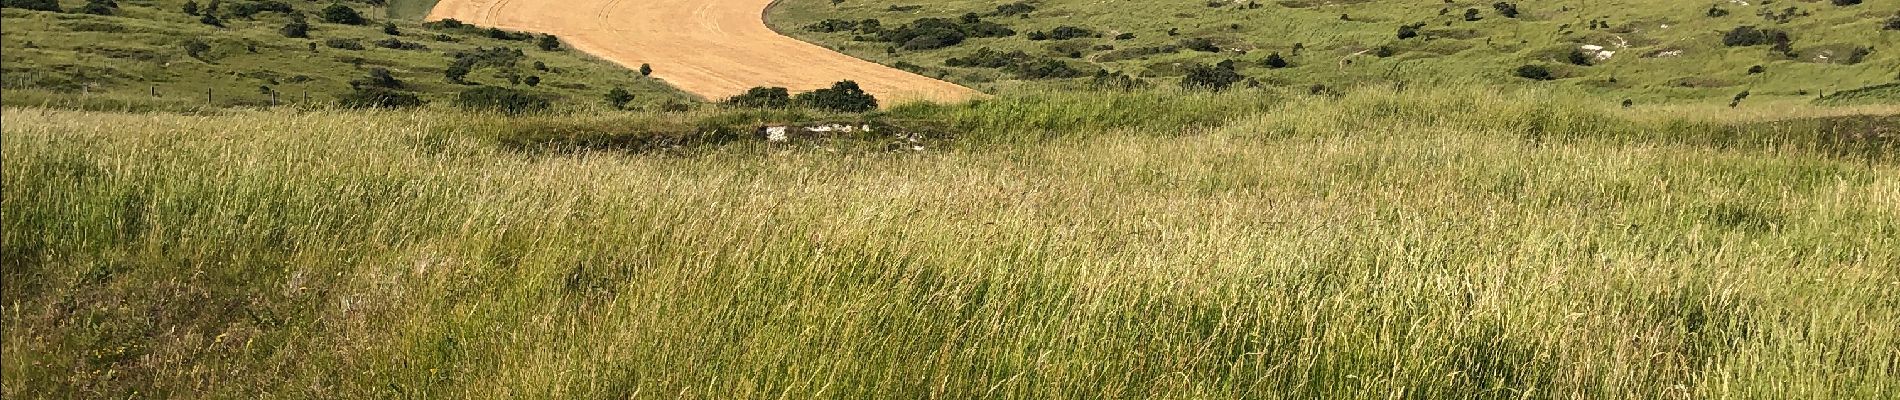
x=1447, y=243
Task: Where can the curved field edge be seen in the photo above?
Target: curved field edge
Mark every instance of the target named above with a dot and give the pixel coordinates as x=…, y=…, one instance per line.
x=1460, y=244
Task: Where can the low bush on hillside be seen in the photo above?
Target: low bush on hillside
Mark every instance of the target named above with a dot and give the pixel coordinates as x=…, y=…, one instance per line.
x=1534, y=72
x=343, y=43
x=844, y=96
x=1064, y=32
x=398, y=44
x=868, y=26
x=377, y=97
x=762, y=97
x=935, y=33
x=249, y=9
x=1749, y=35
x=37, y=5
x=1200, y=44
x=342, y=14
x=985, y=57
x=1044, y=69
x=504, y=100
x=1217, y=77
x=1022, y=8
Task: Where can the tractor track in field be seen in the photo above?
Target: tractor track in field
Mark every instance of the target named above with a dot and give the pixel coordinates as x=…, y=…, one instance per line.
x=711, y=48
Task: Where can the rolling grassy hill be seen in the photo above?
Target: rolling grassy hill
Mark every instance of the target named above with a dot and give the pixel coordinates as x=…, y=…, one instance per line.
x=148, y=46
x=1649, y=50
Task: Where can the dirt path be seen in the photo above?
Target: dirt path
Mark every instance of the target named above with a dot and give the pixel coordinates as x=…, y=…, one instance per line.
x=712, y=48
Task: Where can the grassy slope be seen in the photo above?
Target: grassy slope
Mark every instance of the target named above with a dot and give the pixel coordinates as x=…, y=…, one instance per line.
x=1446, y=244
x=1486, y=50
x=410, y=9
x=122, y=57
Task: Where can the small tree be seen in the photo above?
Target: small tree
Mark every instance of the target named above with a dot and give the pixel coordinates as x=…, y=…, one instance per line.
x=389, y=28
x=618, y=98
x=844, y=96
x=1275, y=61
x=548, y=42
x=337, y=13
x=646, y=69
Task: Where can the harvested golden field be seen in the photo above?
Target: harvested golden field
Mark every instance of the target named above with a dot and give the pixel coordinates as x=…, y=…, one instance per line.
x=714, y=49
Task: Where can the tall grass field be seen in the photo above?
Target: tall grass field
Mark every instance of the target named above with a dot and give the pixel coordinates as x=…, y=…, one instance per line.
x=1443, y=243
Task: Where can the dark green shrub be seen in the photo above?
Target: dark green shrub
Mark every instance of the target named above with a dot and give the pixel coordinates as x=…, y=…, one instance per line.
x=376, y=97
x=762, y=97
x=1200, y=44
x=248, y=9
x=1066, y=32
x=378, y=78
x=1409, y=31
x=337, y=13
x=1017, y=8
x=99, y=7
x=1115, y=81
x=1576, y=57
x=1534, y=72
x=548, y=43
x=445, y=24
x=1275, y=61
x=190, y=8
x=646, y=69
x=986, y=58
x=1508, y=10
x=505, y=100
x=1044, y=69
x=497, y=33
x=38, y=5
x=844, y=96
x=295, y=29
x=456, y=73
x=618, y=98
x=934, y=33
x=398, y=44
x=1748, y=35
x=342, y=43
x=1216, y=77
x=389, y=28
x=196, y=48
